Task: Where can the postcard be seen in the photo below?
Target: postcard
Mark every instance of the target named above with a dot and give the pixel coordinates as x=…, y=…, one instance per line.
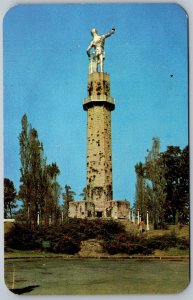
x=96, y=149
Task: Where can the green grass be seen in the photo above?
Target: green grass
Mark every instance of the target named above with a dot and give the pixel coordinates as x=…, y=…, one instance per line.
x=172, y=252
x=184, y=232
x=96, y=277
x=38, y=254
x=12, y=253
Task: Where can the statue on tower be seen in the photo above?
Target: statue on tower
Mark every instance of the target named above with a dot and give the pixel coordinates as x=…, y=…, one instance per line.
x=98, y=56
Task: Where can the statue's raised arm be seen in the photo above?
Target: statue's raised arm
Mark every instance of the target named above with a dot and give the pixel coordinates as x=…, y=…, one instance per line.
x=98, y=56
x=109, y=33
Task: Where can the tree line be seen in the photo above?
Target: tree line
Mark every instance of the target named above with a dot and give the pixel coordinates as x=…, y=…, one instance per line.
x=162, y=186
x=39, y=189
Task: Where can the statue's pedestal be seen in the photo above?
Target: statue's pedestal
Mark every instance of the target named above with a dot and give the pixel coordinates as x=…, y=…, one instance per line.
x=99, y=105
x=99, y=191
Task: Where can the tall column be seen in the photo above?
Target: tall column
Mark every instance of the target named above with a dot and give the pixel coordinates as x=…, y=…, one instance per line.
x=99, y=105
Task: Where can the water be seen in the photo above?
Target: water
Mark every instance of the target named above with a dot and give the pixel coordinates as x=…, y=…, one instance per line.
x=95, y=277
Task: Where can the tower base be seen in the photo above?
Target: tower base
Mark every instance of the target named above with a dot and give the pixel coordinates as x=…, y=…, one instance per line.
x=117, y=209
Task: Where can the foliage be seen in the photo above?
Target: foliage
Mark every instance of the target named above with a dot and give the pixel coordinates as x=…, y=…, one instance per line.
x=84, y=193
x=163, y=185
x=63, y=238
x=22, y=237
x=51, y=209
x=68, y=196
x=155, y=173
x=145, y=245
x=10, y=195
x=141, y=191
x=39, y=189
x=176, y=162
x=66, y=238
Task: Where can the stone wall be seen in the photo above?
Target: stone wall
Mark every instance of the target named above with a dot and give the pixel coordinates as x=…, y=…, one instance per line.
x=117, y=209
x=81, y=209
x=120, y=209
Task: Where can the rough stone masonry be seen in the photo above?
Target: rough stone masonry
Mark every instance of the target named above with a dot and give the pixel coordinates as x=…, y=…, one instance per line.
x=99, y=104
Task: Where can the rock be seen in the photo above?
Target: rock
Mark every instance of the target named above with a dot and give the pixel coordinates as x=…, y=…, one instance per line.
x=91, y=248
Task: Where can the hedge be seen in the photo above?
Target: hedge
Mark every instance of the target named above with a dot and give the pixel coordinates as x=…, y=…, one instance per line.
x=66, y=238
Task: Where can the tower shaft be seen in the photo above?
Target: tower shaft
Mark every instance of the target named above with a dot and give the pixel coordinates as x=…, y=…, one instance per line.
x=99, y=105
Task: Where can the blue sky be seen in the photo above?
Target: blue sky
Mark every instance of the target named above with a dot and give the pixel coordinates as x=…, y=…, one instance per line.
x=45, y=76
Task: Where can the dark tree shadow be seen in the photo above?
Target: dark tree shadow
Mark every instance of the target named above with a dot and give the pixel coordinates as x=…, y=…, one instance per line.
x=24, y=290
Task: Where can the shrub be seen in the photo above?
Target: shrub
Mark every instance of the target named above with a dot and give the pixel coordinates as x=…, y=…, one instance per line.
x=135, y=245
x=22, y=237
x=66, y=245
x=63, y=238
x=66, y=238
x=112, y=247
x=183, y=244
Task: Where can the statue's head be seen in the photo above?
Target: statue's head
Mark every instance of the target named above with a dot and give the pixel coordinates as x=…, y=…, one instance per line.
x=93, y=31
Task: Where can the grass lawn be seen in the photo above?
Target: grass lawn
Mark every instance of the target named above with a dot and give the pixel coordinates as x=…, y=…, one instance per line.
x=95, y=277
x=174, y=229
x=33, y=254
x=44, y=273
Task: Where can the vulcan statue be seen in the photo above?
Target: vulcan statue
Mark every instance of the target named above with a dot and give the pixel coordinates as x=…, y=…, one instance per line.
x=97, y=58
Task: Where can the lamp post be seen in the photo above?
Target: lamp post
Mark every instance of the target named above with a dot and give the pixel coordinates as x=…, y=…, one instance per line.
x=132, y=216
x=138, y=217
x=28, y=210
x=147, y=221
x=38, y=218
x=38, y=214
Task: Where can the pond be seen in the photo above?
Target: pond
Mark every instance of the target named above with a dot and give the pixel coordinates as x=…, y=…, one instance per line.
x=51, y=276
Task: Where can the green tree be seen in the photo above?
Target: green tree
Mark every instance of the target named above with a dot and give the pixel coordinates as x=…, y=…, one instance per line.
x=52, y=194
x=156, y=176
x=39, y=188
x=84, y=194
x=163, y=184
x=176, y=164
x=68, y=196
x=25, y=186
x=150, y=187
x=32, y=188
x=141, y=191
x=10, y=195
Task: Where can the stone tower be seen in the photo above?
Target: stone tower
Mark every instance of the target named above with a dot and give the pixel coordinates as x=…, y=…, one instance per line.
x=99, y=105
